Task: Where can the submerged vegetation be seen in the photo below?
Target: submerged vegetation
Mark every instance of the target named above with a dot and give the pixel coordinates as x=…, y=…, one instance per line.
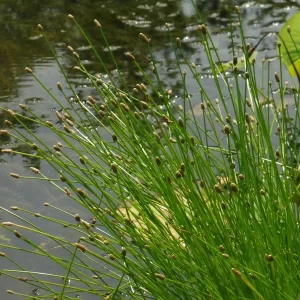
x=185, y=205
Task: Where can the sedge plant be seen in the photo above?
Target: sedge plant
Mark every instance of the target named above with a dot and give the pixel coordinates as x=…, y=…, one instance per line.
x=183, y=207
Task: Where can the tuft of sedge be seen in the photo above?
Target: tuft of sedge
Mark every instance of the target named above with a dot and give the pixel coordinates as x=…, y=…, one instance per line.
x=11, y=112
x=181, y=123
x=6, y=150
x=81, y=247
x=129, y=56
x=123, y=252
x=126, y=107
x=237, y=10
x=17, y=234
x=178, y=42
x=40, y=27
x=145, y=105
x=85, y=224
x=111, y=256
x=28, y=70
x=218, y=188
x=71, y=17
x=144, y=38
x=241, y=177
x=221, y=248
x=2, y=254
x=158, y=160
x=262, y=192
x=227, y=129
x=46, y=204
x=49, y=123
x=8, y=224
x=71, y=49
x=68, y=129
x=77, y=217
x=62, y=178
x=114, y=137
x=178, y=174
x=234, y=187
x=81, y=192
x=10, y=292
x=59, y=86
x=269, y=257
x=22, y=106
x=8, y=123
x=67, y=191
x=35, y=170
x=160, y=276
x=24, y=279
x=14, y=208
x=97, y=23
x=236, y=272
x=59, y=115
x=114, y=167
x=56, y=148
x=76, y=55
x=15, y=175
x=203, y=29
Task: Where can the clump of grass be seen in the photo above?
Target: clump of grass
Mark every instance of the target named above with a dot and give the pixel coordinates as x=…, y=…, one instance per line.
x=183, y=208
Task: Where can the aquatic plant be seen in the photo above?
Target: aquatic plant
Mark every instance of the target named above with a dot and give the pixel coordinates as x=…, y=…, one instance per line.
x=184, y=207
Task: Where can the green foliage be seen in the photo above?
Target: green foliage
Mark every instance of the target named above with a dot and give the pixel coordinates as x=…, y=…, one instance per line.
x=183, y=207
x=289, y=36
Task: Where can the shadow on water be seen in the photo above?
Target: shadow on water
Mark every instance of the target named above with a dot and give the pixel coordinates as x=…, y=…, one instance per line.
x=22, y=46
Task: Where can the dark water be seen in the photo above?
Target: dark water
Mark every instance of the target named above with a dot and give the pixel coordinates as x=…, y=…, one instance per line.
x=21, y=45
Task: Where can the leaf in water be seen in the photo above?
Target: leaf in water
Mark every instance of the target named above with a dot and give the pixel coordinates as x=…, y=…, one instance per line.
x=240, y=63
x=289, y=36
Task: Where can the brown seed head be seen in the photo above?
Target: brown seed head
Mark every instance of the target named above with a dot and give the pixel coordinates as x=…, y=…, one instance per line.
x=81, y=192
x=160, y=276
x=236, y=272
x=227, y=129
x=8, y=123
x=17, y=234
x=77, y=217
x=80, y=247
x=144, y=38
x=28, y=70
x=277, y=78
x=114, y=167
x=129, y=56
x=40, y=27
x=221, y=248
x=6, y=150
x=71, y=17
x=97, y=23
x=14, y=175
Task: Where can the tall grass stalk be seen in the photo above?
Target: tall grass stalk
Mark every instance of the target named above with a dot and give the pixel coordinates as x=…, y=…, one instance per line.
x=183, y=207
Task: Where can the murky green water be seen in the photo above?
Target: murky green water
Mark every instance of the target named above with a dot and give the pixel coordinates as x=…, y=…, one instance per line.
x=122, y=21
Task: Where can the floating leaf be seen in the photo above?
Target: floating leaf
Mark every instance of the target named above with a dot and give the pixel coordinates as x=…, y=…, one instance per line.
x=289, y=37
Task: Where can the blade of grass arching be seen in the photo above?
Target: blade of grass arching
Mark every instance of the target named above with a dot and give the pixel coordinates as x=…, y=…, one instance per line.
x=94, y=49
x=60, y=242
x=66, y=278
x=110, y=53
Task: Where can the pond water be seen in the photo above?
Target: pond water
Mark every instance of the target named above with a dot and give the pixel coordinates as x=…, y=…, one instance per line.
x=23, y=46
